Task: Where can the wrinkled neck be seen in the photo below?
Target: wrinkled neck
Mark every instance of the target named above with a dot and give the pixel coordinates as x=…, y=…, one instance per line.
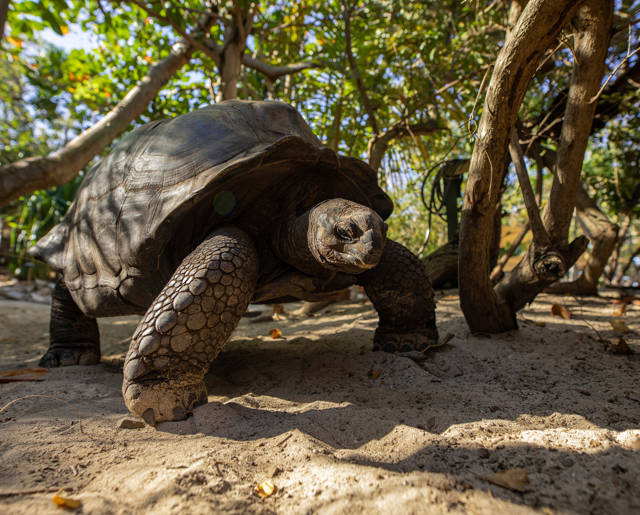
x=292, y=242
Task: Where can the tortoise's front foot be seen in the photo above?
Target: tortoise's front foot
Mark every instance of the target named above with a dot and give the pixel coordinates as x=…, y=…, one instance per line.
x=187, y=325
x=79, y=354
x=404, y=342
x=164, y=399
x=400, y=290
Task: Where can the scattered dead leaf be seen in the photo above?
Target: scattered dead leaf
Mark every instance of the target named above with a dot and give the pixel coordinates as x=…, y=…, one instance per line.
x=513, y=479
x=539, y=323
x=24, y=371
x=275, y=333
x=374, y=374
x=558, y=310
x=619, y=326
x=265, y=489
x=65, y=502
x=620, y=347
x=22, y=374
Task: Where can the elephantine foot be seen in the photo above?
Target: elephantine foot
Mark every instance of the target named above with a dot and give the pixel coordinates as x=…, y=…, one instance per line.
x=186, y=327
x=67, y=356
x=165, y=399
x=405, y=342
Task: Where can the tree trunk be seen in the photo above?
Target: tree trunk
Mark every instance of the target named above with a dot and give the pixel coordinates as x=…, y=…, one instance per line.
x=4, y=10
x=32, y=173
x=611, y=269
x=603, y=236
x=542, y=266
x=538, y=26
x=231, y=55
x=442, y=266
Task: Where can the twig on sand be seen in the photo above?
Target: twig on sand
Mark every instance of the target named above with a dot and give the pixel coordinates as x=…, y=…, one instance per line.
x=31, y=491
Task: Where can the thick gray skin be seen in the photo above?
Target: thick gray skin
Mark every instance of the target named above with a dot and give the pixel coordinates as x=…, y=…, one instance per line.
x=334, y=244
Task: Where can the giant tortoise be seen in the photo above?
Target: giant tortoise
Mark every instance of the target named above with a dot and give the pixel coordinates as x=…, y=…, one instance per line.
x=190, y=219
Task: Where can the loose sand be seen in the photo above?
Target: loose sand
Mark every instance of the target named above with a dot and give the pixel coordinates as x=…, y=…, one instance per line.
x=336, y=427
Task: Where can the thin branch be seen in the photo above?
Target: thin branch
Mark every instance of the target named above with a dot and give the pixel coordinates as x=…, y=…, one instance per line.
x=475, y=103
x=26, y=175
x=629, y=55
x=541, y=238
x=379, y=143
x=274, y=72
x=497, y=271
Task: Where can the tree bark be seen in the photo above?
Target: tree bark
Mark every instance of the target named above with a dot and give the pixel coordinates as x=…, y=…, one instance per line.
x=603, y=236
x=538, y=26
x=544, y=265
x=611, y=270
x=442, y=266
x=4, y=11
x=235, y=42
x=32, y=173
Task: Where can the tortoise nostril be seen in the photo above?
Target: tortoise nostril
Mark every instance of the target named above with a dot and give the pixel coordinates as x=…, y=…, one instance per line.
x=367, y=237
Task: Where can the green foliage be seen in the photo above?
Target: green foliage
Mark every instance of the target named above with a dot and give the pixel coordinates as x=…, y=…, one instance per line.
x=419, y=60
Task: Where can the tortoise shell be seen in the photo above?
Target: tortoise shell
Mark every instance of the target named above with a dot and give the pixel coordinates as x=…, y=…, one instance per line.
x=168, y=184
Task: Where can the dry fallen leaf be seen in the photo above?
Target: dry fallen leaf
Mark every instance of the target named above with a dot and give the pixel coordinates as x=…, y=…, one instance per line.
x=619, y=326
x=275, y=333
x=22, y=374
x=265, y=489
x=24, y=371
x=539, y=323
x=514, y=479
x=374, y=374
x=558, y=310
x=65, y=502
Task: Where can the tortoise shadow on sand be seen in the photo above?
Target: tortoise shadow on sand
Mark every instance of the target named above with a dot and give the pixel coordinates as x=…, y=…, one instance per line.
x=323, y=389
x=329, y=389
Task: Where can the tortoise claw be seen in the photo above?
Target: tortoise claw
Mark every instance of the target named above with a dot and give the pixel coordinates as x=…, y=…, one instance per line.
x=404, y=342
x=69, y=356
x=164, y=400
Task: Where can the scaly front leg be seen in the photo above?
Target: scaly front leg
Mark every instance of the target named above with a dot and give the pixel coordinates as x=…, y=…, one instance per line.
x=401, y=292
x=187, y=325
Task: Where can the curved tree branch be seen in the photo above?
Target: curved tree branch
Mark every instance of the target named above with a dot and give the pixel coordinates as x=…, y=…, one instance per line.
x=27, y=175
x=537, y=27
x=380, y=142
x=274, y=72
x=541, y=267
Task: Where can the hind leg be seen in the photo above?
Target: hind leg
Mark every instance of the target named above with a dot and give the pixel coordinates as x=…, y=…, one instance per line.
x=74, y=337
x=401, y=292
x=187, y=325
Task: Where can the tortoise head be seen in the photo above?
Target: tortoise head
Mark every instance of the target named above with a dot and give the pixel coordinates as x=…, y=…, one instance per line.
x=344, y=236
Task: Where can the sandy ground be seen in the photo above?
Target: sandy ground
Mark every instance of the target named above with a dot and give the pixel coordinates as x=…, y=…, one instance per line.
x=336, y=427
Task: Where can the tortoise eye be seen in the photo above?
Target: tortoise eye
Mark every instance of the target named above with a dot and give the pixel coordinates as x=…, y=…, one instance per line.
x=342, y=234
